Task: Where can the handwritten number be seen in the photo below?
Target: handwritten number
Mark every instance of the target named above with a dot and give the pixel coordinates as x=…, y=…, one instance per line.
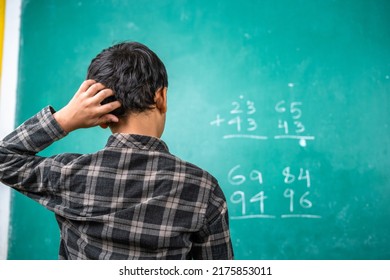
x=236, y=109
x=256, y=175
x=304, y=175
x=259, y=197
x=300, y=127
x=239, y=197
x=235, y=179
x=295, y=111
x=279, y=107
x=288, y=177
x=237, y=120
x=283, y=125
x=251, y=107
x=289, y=193
x=252, y=124
x=304, y=202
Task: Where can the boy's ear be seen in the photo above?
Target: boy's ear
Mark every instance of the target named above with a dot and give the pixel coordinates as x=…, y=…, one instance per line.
x=161, y=99
x=104, y=126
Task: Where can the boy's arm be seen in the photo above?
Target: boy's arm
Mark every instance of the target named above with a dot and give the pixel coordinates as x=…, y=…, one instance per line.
x=213, y=242
x=19, y=165
x=20, y=168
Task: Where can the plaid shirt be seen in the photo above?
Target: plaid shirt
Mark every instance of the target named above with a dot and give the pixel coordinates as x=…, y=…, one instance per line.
x=130, y=200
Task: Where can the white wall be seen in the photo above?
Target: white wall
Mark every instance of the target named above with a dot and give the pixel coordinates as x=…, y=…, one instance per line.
x=7, y=104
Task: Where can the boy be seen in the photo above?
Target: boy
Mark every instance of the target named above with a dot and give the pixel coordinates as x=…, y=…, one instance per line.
x=132, y=199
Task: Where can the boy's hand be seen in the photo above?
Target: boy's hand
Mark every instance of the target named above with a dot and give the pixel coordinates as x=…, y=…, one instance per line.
x=84, y=109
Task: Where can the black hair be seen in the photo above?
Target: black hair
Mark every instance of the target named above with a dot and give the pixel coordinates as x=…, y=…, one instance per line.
x=133, y=72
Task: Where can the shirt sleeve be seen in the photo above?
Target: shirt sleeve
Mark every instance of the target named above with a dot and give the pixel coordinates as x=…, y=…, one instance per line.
x=20, y=167
x=213, y=241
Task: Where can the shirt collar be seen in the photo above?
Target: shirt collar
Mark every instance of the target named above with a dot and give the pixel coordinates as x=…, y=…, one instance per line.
x=121, y=140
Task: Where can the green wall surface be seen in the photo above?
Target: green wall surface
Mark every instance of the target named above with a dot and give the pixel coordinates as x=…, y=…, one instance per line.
x=286, y=103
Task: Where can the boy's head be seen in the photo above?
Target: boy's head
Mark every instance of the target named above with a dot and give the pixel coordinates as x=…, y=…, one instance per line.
x=133, y=72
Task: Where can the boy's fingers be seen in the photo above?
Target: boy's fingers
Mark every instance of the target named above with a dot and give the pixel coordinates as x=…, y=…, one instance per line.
x=85, y=86
x=103, y=94
x=109, y=107
x=94, y=89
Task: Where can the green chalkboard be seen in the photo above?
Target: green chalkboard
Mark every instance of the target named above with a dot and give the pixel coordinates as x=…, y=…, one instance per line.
x=286, y=103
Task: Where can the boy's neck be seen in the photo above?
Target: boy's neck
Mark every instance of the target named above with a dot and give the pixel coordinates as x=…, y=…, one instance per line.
x=148, y=123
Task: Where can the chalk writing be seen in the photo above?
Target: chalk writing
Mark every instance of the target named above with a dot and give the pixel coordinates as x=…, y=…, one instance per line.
x=255, y=195
x=241, y=122
x=290, y=123
x=289, y=178
x=294, y=194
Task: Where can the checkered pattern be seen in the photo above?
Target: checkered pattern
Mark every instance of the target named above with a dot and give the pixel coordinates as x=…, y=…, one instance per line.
x=130, y=200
